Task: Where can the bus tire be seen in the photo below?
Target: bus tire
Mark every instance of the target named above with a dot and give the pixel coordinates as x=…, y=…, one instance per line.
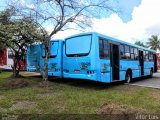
x=128, y=77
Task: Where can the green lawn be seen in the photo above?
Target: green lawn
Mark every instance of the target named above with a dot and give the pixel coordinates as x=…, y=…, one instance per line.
x=73, y=97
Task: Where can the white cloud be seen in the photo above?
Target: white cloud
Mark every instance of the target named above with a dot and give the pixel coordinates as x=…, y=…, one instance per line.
x=31, y=6
x=145, y=22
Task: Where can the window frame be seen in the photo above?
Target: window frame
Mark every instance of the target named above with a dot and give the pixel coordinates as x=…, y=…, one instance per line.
x=129, y=57
x=81, y=54
x=103, y=50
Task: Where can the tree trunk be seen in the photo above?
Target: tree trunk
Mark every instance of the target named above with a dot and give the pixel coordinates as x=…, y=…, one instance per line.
x=47, y=53
x=45, y=72
x=15, y=70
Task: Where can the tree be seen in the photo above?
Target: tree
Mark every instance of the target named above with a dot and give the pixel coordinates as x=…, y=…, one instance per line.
x=17, y=34
x=154, y=42
x=140, y=43
x=61, y=13
x=4, y=18
x=2, y=46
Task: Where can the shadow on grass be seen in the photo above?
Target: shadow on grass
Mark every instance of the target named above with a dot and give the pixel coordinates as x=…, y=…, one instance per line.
x=87, y=84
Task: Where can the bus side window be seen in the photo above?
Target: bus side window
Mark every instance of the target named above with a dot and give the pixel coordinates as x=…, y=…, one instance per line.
x=150, y=56
x=127, y=52
x=146, y=56
x=105, y=48
x=122, y=52
x=136, y=53
x=101, y=48
x=132, y=53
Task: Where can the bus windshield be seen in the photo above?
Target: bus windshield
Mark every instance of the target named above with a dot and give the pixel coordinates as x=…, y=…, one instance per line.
x=78, y=46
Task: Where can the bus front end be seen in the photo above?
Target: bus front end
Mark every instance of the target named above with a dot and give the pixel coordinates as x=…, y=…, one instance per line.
x=79, y=57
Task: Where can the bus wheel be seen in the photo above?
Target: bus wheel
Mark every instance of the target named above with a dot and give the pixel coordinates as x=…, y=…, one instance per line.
x=128, y=77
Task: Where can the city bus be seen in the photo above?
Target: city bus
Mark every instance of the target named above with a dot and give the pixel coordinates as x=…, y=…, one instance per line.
x=97, y=57
x=33, y=57
x=54, y=60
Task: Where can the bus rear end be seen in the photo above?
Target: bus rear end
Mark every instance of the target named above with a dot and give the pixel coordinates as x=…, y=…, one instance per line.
x=55, y=58
x=79, y=57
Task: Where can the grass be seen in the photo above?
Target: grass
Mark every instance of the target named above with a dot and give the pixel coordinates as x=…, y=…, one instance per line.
x=74, y=96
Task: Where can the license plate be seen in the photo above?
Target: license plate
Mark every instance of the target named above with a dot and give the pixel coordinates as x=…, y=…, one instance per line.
x=76, y=71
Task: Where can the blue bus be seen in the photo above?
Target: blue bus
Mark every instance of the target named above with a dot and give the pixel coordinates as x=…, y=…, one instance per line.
x=33, y=57
x=55, y=58
x=97, y=57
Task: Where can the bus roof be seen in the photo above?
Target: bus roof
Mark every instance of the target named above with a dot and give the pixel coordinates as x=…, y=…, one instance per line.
x=56, y=40
x=112, y=39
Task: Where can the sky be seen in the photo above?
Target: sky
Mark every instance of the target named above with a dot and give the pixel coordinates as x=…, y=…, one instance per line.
x=137, y=20
x=140, y=19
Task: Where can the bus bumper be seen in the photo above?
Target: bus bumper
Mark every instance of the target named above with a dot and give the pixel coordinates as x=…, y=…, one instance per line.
x=81, y=76
x=31, y=69
x=57, y=74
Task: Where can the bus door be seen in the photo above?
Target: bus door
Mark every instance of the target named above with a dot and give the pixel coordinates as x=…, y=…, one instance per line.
x=114, y=61
x=155, y=62
x=141, y=62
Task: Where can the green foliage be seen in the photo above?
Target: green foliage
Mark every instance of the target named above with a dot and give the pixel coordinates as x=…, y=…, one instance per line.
x=154, y=42
x=17, y=33
x=139, y=43
x=2, y=46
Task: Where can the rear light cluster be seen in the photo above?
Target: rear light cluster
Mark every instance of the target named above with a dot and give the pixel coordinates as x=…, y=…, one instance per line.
x=90, y=71
x=65, y=70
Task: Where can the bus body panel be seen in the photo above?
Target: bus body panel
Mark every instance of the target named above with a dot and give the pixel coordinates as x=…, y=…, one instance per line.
x=133, y=65
x=147, y=67
x=105, y=70
x=78, y=68
x=55, y=59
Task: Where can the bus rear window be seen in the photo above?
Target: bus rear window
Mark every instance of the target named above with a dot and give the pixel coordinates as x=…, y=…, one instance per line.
x=53, y=49
x=78, y=46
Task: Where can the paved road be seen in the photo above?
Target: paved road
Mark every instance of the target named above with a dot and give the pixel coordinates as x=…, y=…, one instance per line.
x=149, y=82
x=24, y=73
